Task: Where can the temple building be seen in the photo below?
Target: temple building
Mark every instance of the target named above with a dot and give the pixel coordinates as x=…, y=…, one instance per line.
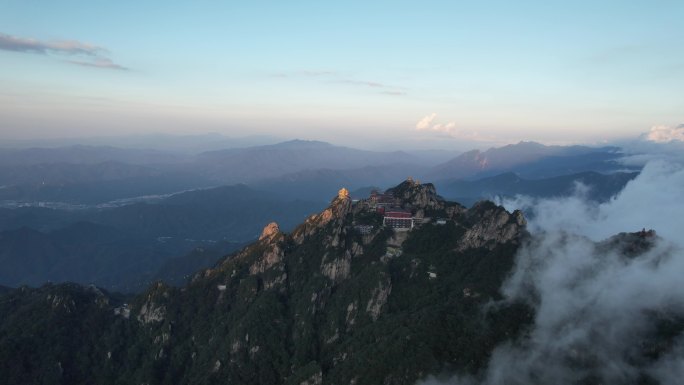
x=398, y=219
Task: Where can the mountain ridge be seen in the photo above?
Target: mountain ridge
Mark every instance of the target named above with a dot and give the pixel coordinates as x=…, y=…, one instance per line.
x=509, y=158
x=340, y=299
x=312, y=297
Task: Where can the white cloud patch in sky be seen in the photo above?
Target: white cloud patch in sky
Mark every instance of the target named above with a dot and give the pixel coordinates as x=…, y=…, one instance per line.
x=93, y=56
x=594, y=306
x=661, y=143
x=450, y=129
x=426, y=122
x=446, y=127
x=665, y=134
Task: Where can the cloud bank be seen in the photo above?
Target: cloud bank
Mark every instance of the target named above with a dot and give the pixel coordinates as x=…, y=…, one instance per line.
x=661, y=143
x=596, y=305
x=666, y=134
x=94, y=56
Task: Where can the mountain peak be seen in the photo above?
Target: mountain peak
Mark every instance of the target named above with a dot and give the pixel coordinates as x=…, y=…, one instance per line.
x=414, y=194
x=343, y=193
x=337, y=211
x=527, y=144
x=271, y=230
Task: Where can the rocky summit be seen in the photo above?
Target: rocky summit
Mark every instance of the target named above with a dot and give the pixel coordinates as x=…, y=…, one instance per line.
x=348, y=297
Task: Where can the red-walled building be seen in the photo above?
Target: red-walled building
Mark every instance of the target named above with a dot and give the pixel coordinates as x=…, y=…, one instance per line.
x=397, y=218
x=379, y=200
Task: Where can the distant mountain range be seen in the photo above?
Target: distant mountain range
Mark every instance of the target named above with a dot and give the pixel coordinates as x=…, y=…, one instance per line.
x=265, y=162
x=181, y=144
x=123, y=248
x=529, y=159
x=297, y=169
x=117, y=217
x=600, y=187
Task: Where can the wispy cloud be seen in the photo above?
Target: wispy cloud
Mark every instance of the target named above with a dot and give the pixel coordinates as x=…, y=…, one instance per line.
x=364, y=83
x=305, y=74
x=382, y=88
x=318, y=73
x=336, y=77
x=92, y=55
x=69, y=47
x=99, y=63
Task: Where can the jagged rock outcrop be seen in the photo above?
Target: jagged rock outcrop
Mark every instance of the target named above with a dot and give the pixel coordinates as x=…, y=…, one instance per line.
x=343, y=194
x=337, y=268
x=271, y=230
x=271, y=257
x=378, y=298
x=152, y=308
x=335, y=214
x=151, y=312
x=491, y=225
x=413, y=194
x=630, y=244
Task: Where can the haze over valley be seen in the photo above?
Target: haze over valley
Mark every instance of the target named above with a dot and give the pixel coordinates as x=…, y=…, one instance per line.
x=136, y=209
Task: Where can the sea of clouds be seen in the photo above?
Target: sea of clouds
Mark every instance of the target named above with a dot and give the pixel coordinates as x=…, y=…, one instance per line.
x=594, y=307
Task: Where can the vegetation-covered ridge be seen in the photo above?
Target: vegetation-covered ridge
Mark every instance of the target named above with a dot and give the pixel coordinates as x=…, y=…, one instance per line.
x=342, y=299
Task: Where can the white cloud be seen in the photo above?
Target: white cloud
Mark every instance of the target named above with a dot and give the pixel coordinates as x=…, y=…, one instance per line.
x=426, y=122
x=665, y=134
x=447, y=127
x=662, y=143
x=652, y=200
x=595, y=307
x=429, y=124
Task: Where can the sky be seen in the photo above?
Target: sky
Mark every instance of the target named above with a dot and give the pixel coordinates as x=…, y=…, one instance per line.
x=432, y=74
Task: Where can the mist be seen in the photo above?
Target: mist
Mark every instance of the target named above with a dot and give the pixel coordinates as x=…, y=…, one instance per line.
x=653, y=200
x=596, y=305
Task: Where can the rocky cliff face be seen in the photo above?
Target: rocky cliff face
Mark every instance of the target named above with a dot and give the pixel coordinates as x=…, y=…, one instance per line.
x=412, y=194
x=328, y=303
x=488, y=225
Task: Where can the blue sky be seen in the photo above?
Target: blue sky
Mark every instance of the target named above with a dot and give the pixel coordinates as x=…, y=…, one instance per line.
x=399, y=73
